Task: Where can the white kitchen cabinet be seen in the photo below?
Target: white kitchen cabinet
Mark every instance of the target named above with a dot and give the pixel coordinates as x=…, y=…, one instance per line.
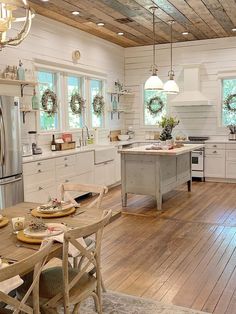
x=231, y=169
x=105, y=173
x=117, y=167
x=84, y=162
x=214, y=167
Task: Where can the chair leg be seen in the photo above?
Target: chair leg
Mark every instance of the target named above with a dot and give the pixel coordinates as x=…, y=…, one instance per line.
x=103, y=286
x=76, y=309
x=97, y=303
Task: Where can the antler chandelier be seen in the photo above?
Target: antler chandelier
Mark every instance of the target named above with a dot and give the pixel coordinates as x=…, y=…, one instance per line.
x=14, y=11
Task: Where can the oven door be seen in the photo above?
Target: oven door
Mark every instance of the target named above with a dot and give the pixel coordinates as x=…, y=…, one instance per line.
x=197, y=160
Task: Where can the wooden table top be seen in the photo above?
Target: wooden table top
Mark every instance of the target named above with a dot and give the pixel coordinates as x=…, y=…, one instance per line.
x=8, y=248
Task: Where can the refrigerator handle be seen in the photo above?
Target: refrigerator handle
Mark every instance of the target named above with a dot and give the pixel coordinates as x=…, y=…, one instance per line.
x=11, y=181
x=2, y=139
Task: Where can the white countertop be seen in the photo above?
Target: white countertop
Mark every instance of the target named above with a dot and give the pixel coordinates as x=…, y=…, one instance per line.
x=171, y=152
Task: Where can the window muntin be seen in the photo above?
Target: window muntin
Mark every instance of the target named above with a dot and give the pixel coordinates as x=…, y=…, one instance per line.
x=95, y=88
x=228, y=88
x=150, y=119
x=74, y=85
x=47, y=80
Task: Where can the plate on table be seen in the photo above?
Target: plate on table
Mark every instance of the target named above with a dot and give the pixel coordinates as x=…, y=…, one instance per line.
x=53, y=229
x=49, y=209
x=59, y=214
x=4, y=221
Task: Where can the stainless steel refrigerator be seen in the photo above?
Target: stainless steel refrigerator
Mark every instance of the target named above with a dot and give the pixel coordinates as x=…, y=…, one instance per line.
x=11, y=183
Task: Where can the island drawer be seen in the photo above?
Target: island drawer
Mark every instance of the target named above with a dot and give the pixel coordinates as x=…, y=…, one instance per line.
x=41, y=166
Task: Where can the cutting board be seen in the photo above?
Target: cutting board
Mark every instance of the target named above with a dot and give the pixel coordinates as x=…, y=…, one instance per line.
x=114, y=135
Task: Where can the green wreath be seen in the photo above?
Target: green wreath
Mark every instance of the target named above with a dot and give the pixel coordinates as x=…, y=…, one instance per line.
x=98, y=105
x=49, y=102
x=228, y=101
x=155, y=105
x=77, y=103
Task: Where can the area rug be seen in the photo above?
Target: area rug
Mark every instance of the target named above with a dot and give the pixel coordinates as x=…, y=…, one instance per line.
x=117, y=303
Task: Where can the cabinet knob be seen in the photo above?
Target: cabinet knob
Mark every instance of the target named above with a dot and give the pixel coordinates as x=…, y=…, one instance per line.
x=39, y=171
x=65, y=158
x=215, y=152
x=66, y=181
x=214, y=145
x=66, y=165
x=40, y=188
x=39, y=163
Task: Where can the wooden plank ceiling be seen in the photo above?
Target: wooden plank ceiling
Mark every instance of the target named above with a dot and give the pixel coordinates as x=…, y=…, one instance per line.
x=202, y=19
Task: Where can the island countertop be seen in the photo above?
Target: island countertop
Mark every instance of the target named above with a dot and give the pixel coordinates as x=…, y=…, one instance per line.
x=145, y=150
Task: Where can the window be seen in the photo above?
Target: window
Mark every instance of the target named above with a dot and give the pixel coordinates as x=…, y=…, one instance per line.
x=74, y=84
x=228, y=88
x=95, y=88
x=149, y=118
x=47, y=80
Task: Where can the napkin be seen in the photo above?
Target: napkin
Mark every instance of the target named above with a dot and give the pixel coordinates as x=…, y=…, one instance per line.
x=10, y=284
x=72, y=249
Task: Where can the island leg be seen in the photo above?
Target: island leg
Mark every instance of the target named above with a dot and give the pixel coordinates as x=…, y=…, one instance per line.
x=189, y=185
x=124, y=199
x=123, y=182
x=159, y=203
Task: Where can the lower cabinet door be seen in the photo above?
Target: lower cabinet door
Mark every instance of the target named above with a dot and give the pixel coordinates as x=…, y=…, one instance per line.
x=231, y=169
x=214, y=167
x=100, y=174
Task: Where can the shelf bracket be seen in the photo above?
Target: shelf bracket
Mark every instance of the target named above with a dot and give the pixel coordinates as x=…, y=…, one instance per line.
x=24, y=114
x=22, y=86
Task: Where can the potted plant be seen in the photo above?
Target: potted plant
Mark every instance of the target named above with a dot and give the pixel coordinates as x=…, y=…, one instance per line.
x=168, y=124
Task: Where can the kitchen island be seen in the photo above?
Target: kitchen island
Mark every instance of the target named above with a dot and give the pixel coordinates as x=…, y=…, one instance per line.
x=155, y=172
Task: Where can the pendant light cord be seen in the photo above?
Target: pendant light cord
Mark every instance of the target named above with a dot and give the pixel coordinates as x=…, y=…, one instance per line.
x=154, y=37
x=171, y=44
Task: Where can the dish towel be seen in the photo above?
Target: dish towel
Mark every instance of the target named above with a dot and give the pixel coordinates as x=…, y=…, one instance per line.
x=72, y=249
x=10, y=284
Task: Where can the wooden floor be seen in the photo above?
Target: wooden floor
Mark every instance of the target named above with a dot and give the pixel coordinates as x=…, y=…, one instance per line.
x=185, y=255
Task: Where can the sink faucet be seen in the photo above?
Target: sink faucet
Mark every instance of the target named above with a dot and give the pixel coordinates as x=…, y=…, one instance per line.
x=85, y=138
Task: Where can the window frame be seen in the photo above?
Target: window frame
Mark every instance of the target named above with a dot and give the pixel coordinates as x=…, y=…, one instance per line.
x=221, y=78
x=58, y=93
x=142, y=113
x=62, y=94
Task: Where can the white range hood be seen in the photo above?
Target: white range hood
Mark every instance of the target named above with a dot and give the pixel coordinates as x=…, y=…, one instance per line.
x=191, y=95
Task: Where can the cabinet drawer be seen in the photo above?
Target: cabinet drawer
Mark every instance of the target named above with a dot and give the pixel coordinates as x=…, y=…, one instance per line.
x=38, y=166
x=231, y=169
x=231, y=155
x=84, y=162
x=215, y=152
x=215, y=145
x=231, y=146
x=38, y=178
x=69, y=160
x=34, y=185
x=41, y=195
x=63, y=171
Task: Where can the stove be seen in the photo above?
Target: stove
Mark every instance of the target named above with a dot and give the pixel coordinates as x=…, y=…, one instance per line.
x=198, y=164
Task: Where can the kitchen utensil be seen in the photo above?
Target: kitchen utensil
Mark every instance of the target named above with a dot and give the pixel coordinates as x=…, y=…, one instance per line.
x=123, y=137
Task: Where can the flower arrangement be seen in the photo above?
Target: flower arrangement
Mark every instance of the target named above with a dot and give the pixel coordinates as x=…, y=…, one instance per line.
x=168, y=124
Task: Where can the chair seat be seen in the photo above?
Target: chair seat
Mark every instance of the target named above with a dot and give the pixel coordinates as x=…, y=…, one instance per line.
x=51, y=283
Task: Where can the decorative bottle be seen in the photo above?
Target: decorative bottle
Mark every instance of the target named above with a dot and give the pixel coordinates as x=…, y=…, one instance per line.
x=53, y=144
x=35, y=101
x=21, y=72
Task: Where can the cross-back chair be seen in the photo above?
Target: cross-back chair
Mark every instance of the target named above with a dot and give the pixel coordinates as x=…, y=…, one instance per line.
x=73, y=285
x=66, y=188
x=25, y=266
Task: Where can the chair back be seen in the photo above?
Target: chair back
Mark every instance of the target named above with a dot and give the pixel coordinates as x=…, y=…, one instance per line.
x=65, y=188
x=23, y=267
x=91, y=256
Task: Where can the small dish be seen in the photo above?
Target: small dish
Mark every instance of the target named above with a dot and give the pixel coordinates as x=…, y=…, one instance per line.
x=52, y=230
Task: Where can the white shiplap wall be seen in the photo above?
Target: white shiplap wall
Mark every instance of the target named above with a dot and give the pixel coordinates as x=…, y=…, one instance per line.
x=52, y=43
x=216, y=56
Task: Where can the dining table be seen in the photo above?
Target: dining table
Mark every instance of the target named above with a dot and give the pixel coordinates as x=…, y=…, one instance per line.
x=13, y=249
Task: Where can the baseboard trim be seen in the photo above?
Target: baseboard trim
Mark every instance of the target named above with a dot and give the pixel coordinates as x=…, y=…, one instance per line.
x=220, y=180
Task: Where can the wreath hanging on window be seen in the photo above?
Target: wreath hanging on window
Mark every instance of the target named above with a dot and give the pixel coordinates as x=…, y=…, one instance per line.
x=49, y=102
x=155, y=105
x=77, y=103
x=98, y=105
x=228, y=102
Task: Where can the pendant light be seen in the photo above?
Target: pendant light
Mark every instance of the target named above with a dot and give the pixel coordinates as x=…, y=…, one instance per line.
x=170, y=87
x=154, y=82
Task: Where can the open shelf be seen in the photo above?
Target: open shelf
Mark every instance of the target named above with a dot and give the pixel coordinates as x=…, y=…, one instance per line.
x=22, y=84
x=25, y=111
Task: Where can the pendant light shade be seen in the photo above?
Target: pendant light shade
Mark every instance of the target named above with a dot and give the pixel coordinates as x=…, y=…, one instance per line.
x=171, y=87
x=154, y=82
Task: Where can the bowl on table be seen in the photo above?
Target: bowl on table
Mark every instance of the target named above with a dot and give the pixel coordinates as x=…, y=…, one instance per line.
x=123, y=137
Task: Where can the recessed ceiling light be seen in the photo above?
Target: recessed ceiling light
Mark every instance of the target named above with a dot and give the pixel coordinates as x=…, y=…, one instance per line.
x=44, y=0
x=75, y=12
x=185, y=33
x=120, y=33
x=100, y=24
x=234, y=29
